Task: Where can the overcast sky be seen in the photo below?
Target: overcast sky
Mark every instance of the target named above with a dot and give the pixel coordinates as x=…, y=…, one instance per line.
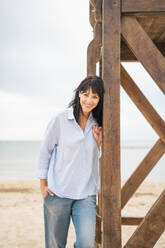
x=43, y=46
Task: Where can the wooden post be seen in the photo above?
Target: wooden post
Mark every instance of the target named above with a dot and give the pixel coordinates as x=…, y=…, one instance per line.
x=111, y=202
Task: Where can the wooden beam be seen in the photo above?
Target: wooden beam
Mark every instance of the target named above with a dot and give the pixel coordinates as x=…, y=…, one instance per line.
x=131, y=221
x=144, y=49
x=98, y=229
x=143, y=6
x=127, y=221
x=94, y=48
x=98, y=237
x=151, y=228
x=111, y=211
x=128, y=56
x=142, y=171
x=142, y=104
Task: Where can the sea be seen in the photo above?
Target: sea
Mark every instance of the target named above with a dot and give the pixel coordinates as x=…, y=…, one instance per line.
x=19, y=159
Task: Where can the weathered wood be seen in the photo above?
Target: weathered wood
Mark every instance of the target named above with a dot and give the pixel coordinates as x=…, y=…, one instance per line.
x=98, y=238
x=98, y=229
x=146, y=23
x=157, y=28
x=145, y=14
x=162, y=37
x=142, y=104
x=127, y=54
x=97, y=5
x=91, y=14
x=142, y=171
x=94, y=48
x=143, y=6
x=93, y=56
x=144, y=49
x=151, y=227
x=111, y=212
x=127, y=221
x=131, y=221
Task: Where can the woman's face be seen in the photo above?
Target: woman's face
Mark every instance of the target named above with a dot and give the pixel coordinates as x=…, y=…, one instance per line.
x=88, y=100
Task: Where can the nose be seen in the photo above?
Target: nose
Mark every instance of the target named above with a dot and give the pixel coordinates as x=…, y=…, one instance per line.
x=89, y=100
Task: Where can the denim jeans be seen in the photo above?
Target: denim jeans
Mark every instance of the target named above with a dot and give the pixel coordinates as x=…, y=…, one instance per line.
x=57, y=215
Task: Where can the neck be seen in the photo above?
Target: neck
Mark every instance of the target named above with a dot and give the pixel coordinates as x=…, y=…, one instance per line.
x=85, y=115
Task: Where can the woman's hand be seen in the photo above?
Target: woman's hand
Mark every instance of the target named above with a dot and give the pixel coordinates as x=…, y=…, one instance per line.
x=44, y=188
x=97, y=133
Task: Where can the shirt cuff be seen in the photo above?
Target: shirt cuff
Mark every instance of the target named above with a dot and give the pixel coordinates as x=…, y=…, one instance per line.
x=42, y=173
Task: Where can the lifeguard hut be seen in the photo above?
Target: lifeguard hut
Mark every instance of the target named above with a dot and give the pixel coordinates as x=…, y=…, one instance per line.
x=127, y=30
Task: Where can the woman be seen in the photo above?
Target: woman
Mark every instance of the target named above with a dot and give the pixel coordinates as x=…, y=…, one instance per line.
x=68, y=167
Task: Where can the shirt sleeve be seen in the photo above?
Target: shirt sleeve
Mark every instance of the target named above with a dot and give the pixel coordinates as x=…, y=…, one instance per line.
x=100, y=152
x=48, y=144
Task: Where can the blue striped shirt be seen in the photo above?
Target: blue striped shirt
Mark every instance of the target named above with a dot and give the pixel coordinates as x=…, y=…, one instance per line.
x=69, y=157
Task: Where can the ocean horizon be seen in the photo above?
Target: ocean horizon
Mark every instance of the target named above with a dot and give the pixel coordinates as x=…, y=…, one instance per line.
x=19, y=159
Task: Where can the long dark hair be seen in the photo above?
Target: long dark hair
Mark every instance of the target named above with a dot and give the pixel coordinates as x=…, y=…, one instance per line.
x=96, y=84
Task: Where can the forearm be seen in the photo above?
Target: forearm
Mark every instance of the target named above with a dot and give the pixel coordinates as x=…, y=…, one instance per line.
x=43, y=183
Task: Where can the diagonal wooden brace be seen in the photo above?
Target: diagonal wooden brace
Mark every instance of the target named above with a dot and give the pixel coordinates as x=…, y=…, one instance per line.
x=151, y=228
x=142, y=171
x=144, y=49
x=143, y=104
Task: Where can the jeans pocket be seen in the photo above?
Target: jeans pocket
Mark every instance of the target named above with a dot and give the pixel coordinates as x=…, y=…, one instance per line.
x=92, y=198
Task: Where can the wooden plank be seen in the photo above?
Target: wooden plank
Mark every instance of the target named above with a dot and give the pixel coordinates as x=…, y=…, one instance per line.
x=94, y=48
x=146, y=22
x=111, y=212
x=143, y=6
x=92, y=58
x=157, y=27
x=151, y=228
x=98, y=229
x=162, y=38
x=144, y=49
x=142, y=104
x=142, y=171
x=131, y=221
x=127, y=221
x=145, y=14
x=127, y=55
x=98, y=238
x=91, y=14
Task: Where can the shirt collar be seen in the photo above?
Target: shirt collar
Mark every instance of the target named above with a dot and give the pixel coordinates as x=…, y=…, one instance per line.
x=71, y=115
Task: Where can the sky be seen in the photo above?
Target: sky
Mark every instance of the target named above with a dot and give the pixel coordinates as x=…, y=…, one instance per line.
x=43, y=47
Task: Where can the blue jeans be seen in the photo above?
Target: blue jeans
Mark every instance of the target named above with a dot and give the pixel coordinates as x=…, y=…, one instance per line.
x=57, y=214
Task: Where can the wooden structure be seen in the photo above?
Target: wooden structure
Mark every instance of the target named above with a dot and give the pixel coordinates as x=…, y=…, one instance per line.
x=127, y=30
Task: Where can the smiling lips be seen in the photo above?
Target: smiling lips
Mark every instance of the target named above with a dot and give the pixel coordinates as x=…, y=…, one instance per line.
x=87, y=106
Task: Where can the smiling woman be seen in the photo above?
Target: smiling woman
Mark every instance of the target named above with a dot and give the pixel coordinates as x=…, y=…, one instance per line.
x=69, y=167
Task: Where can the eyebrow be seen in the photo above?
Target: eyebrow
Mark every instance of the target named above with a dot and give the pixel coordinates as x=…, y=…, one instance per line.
x=94, y=94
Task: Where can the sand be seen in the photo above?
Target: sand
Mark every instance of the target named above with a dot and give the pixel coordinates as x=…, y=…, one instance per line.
x=21, y=213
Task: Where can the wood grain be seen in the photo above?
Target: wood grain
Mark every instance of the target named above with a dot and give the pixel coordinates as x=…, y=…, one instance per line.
x=145, y=50
x=111, y=211
x=143, y=6
x=151, y=227
x=142, y=171
x=143, y=104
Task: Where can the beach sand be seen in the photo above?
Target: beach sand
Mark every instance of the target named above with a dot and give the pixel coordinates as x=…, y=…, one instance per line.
x=21, y=213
